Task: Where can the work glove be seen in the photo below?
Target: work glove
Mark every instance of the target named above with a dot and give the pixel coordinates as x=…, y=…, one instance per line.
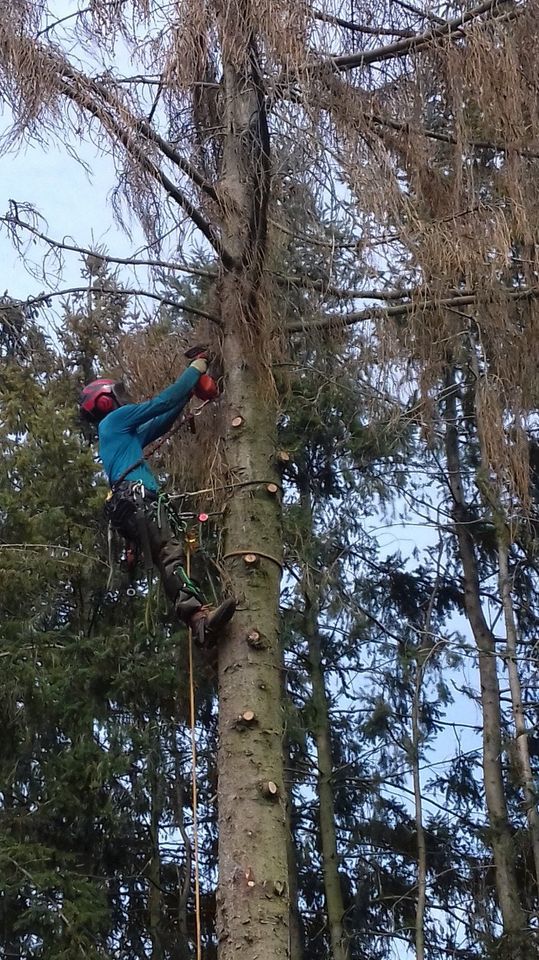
x=200, y=357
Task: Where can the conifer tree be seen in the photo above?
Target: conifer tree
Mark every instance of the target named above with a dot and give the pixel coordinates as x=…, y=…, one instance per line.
x=417, y=131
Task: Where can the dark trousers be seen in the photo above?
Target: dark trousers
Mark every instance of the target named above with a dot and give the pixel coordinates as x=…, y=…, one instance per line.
x=142, y=519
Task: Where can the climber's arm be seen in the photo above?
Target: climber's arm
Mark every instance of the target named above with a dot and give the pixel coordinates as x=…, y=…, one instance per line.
x=164, y=408
x=156, y=428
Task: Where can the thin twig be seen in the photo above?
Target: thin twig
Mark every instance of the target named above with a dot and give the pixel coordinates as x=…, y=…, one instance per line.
x=44, y=297
x=14, y=221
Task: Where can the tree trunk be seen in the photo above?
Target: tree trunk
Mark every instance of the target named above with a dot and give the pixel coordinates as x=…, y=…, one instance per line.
x=154, y=866
x=514, y=922
x=492, y=499
x=322, y=734
x=521, y=731
x=252, y=895
x=297, y=938
x=296, y=929
x=418, y=802
x=328, y=835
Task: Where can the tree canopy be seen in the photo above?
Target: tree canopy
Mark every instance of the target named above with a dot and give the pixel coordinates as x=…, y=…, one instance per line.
x=341, y=199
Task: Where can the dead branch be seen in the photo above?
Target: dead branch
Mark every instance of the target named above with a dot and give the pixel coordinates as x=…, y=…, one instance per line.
x=83, y=99
x=167, y=301
x=12, y=222
x=361, y=28
x=401, y=47
x=403, y=310
x=403, y=127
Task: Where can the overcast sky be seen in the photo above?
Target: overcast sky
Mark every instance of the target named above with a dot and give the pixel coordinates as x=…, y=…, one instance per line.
x=73, y=204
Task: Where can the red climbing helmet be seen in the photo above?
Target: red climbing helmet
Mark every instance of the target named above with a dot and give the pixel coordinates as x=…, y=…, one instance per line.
x=101, y=397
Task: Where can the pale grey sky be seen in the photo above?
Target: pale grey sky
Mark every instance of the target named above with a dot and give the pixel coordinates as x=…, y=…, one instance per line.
x=75, y=206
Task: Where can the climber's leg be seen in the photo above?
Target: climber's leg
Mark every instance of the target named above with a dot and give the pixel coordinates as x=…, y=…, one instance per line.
x=185, y=594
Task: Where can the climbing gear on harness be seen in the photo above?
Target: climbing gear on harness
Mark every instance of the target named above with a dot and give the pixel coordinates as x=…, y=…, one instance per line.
x=101, y=397
x=147, y=518
x=117, y=483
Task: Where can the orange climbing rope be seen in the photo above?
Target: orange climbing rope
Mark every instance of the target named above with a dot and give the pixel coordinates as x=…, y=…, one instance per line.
x=189, y=542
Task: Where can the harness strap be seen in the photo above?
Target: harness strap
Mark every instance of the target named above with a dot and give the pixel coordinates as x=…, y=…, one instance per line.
x=114, y=486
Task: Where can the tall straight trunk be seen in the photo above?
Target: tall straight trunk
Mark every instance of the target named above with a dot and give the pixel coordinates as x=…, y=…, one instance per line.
x=519, y=719
x=296, y=934
x=418, y=802
x=154, y=866
x=252, y=896
x=321, y=731
x=328, y=835
x=295, y=924
x=492, y=499
x=513, y=918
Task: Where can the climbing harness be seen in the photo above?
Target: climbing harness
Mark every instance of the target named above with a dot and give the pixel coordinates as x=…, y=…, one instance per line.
x=122, y=509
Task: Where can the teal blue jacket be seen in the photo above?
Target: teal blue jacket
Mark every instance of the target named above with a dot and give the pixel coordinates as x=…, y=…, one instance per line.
x=125, y=432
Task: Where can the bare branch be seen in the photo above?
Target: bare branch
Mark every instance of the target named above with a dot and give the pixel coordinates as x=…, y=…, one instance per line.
x=361, y=28
x=400, y=47
x=403, y=310
x=93, y=98
x=13, y=222
x=45, y=297
x=423, y=14
x=329, y=290
x=448, y=138
x=83, y=98
x=73, y=16
x=147, y=130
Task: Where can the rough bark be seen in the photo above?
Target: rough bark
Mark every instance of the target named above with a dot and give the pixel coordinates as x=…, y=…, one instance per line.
x=322, y=735
x=513, y=918
x=252, y=893
x=252, y=897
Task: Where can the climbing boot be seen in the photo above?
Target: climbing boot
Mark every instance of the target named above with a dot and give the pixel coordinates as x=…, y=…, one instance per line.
x=207, y=623
x=186, y=605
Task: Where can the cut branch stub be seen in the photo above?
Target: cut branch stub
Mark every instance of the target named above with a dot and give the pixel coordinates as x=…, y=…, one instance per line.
x=272, y=489
x=269, y=790
x=246, y=719
x=256, y=640
x=283, y=456
x=237, y=422
x=251, y=560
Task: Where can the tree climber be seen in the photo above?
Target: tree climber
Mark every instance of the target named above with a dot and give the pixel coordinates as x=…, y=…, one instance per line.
x=134, y=506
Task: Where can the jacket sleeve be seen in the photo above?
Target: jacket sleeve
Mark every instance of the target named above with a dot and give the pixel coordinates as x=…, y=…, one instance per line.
x=155, y=428
x=165, y=407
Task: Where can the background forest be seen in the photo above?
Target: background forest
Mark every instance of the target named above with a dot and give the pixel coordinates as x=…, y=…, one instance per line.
x=341, y=198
